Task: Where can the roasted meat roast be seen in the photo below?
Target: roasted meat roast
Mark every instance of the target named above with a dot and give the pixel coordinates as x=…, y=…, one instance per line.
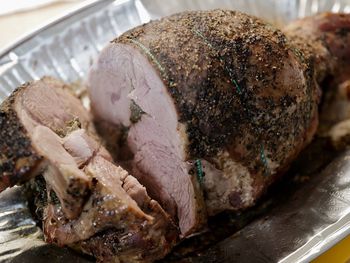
x=191, y=115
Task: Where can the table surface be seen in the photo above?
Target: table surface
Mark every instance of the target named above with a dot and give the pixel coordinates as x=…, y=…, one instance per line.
x=14, y=26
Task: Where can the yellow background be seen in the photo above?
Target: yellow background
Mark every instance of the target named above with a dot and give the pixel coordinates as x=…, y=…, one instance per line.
x=340, y=253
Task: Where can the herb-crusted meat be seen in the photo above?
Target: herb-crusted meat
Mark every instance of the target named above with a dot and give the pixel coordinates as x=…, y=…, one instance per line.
x=226, y=104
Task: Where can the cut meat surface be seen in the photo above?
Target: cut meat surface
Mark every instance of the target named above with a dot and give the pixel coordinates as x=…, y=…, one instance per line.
x=156, y=139
x=171, y=175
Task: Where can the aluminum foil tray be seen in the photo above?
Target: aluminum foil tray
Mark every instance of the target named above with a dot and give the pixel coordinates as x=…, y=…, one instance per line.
x=311, y=214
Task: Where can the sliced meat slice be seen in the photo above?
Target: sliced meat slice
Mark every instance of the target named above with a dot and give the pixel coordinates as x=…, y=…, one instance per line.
x=164, y=173
x=139, y=232
x=45, y=102
x=111, y=177
x=70, y=184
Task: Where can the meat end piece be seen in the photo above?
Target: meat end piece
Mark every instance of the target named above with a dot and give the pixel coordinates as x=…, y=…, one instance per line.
x=327, y=37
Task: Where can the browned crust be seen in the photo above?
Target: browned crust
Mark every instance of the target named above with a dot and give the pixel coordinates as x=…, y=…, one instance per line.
x=18, y=159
